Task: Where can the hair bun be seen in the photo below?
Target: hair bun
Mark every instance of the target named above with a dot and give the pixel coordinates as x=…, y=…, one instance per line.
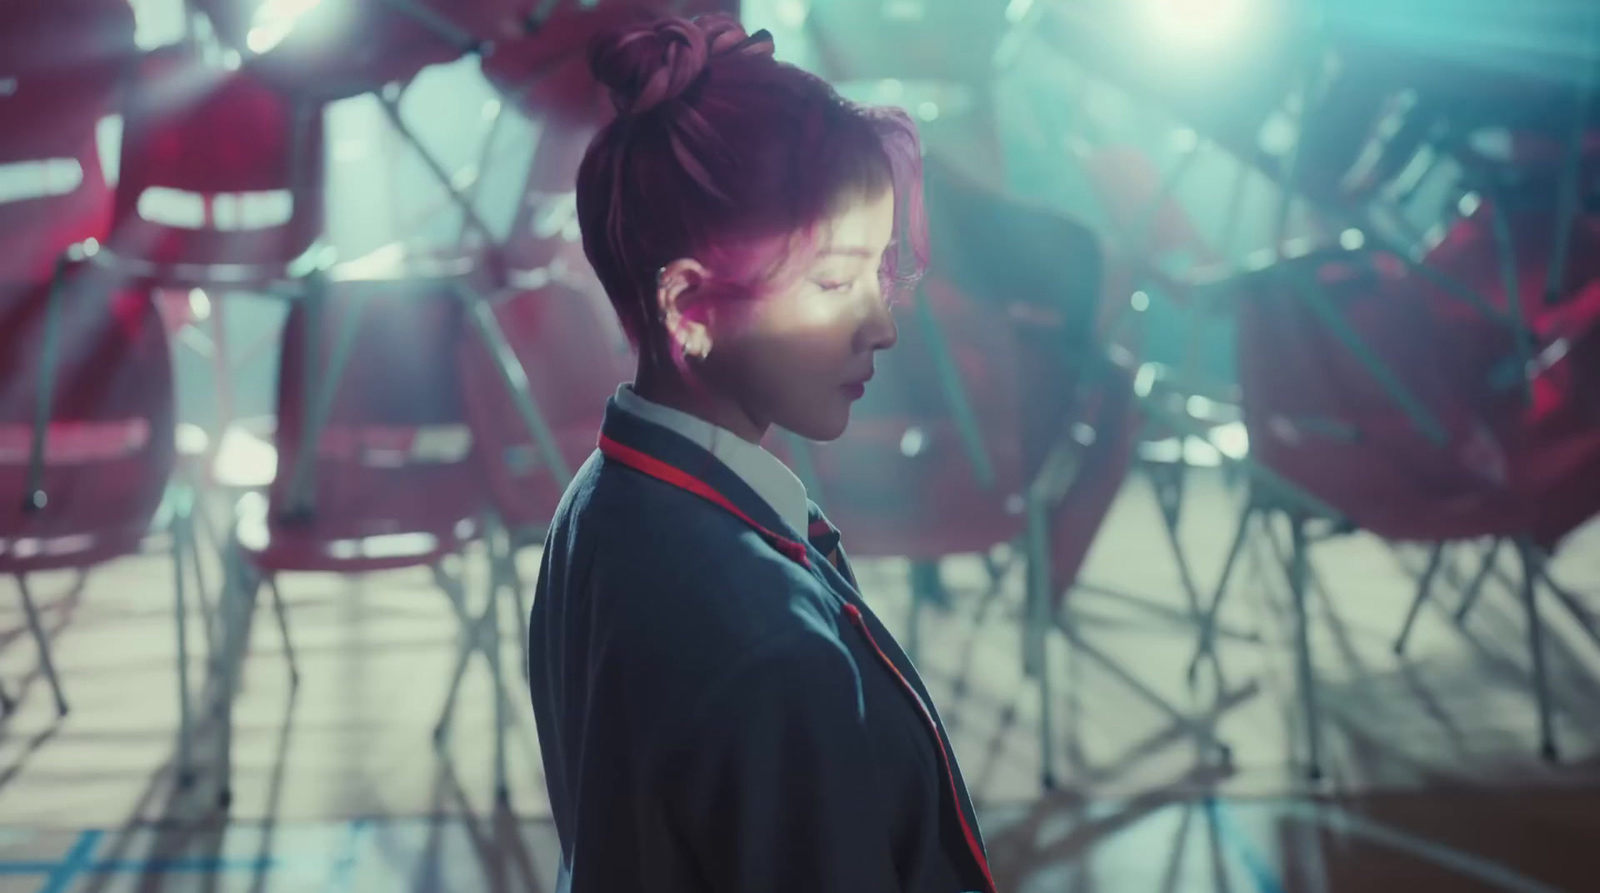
x=645, y=65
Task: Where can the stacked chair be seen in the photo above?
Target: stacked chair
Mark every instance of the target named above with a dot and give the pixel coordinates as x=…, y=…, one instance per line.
x=1422, y=386
x=88, y=432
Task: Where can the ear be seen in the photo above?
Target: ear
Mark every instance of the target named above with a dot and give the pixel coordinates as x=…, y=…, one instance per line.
x=678, y=290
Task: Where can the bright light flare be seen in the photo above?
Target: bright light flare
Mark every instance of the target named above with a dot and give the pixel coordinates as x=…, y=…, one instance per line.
x=1200, y=26
x=274, y=21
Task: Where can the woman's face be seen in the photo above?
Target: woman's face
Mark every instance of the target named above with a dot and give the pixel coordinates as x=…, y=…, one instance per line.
x=801, y=355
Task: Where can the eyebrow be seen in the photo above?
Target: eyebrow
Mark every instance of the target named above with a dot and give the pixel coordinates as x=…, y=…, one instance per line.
x=847, y=252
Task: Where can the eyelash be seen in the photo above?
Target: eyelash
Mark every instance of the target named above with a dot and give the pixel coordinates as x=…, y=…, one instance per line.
x=835, y=286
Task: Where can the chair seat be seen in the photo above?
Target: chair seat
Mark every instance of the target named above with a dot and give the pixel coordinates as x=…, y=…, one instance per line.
x=266, y=278
x=276, y=545
x=28, y=555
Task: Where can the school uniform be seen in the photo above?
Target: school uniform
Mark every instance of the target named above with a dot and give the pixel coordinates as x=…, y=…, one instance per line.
x=717, y=707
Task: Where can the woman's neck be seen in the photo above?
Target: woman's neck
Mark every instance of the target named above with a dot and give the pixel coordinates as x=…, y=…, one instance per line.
x=666, y=387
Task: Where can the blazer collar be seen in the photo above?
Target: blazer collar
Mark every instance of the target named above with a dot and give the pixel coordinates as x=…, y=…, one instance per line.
x=668, y=456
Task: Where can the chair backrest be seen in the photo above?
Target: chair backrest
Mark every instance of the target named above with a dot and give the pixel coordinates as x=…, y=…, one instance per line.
x=567, y=342
x=329, y=51
x=1318, y=416
x=60, y=65
x=901, y=481
x=1040, y=272
x=109, y=447
x=396, y=455
x=1111, y=414
x=1010, y=303
x=237, y=164
x=1562, y=371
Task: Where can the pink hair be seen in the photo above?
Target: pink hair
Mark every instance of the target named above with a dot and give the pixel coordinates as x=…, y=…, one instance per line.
x=722, y=154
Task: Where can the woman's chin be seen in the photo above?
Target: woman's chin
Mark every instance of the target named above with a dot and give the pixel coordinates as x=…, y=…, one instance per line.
x=823, y=428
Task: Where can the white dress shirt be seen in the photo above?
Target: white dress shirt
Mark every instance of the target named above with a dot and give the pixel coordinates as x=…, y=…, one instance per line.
x=760, y=470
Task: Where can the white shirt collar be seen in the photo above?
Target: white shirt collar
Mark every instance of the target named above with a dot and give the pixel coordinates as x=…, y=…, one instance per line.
x=760, y=470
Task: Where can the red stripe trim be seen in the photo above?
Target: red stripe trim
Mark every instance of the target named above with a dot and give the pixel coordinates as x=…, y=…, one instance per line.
x=819, y=528
x=677, y=477
x=854, y=614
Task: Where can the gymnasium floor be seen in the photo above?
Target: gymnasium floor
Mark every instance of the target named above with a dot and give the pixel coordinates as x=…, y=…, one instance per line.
x=1433, y=780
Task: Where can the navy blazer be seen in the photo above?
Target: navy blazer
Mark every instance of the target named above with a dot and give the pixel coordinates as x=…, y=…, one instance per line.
x=717, y=707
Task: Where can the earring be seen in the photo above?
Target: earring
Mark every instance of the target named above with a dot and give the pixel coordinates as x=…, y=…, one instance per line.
x=696, y=346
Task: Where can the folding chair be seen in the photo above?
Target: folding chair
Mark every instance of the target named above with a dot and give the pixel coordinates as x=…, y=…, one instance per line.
x=398, y=484
x=105, y=450
x=1343, y=393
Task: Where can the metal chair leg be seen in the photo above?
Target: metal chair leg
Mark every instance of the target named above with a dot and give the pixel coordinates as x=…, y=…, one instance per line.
x=503, y=575
x=182, y=542
x=1424, y=592
x=468, y=644
x=1475, y=588
x=473, y=639
x=201, y=530
x=519, y=597
x=515, y=380
x=1199, y=729
x=43, y=643
x=502, y=789
x=1168, y=485
x=1298, y=573
x=466, y=640
x=1036, y=634
x=282, y=612
x=1541, y=678
x=1206, y=647
x=235, y=608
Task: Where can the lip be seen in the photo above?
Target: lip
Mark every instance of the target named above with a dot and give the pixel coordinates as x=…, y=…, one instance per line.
x=855, y=390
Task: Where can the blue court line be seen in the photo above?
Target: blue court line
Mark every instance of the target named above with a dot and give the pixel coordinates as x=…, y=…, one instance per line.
x=76, y=861
x=124, y=866
x=1264, y=875
x=345, y=865
x=79, y=861
x=28, y=867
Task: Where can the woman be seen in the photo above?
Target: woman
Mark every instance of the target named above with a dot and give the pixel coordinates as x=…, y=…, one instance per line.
x=717, y=708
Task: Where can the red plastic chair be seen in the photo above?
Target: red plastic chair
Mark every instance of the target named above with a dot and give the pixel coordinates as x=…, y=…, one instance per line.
x=232, y=146
x=61, y=64
x=1320, y=418
x=221, y=187
x=398, y=483
x=108, y=452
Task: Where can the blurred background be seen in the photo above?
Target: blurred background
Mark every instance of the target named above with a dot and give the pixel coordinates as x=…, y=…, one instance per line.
x=1232, y=483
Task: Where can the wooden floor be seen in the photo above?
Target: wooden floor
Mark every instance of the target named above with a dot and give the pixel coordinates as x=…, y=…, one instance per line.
x=1433, y=778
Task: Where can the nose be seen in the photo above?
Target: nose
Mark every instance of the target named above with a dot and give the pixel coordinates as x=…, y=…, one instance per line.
x=878, y=330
